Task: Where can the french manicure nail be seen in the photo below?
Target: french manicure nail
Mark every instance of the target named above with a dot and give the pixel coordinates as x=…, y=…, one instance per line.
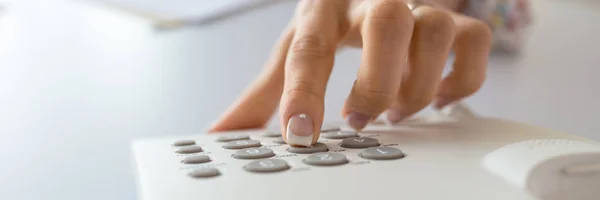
x=395, y=115
x=357, y=121
x=300, y=130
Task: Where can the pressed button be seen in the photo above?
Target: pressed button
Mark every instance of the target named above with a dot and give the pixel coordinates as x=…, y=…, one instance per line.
x=326, y=159
x=242, y=144
x=382, y=153
x=254, y=153
x=318, y=147
x=359, y=143
x=267, y=166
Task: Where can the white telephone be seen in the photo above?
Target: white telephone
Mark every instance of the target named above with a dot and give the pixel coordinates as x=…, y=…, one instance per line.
x=455, y=155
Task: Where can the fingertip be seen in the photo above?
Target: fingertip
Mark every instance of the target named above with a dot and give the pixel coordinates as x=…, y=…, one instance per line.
x=301, y=120
x=211, y=130
x=441, y=102
x=395, y=115
x=358, y=121
x=215, y=127
x=300, y=130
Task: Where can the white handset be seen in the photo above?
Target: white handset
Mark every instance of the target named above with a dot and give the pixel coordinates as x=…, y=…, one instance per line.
x=551, y=169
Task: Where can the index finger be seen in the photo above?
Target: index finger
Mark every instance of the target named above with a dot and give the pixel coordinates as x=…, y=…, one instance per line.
x=307, y=70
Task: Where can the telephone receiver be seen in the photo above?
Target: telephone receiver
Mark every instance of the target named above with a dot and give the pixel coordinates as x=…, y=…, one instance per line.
x=550, y=169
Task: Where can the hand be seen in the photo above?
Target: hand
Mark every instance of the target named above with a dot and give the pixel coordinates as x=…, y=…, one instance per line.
x=404, y=53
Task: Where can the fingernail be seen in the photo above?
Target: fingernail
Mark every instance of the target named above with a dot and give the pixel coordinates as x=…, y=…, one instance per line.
x=357, y=121
x=395, y=115
x=300, y=130
x=442, y=102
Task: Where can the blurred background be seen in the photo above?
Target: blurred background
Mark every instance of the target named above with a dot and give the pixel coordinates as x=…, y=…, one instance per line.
x=80, y=79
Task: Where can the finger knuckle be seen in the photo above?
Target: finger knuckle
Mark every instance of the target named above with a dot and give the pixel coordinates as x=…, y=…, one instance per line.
x=389, y=9
x=376, y=101
x=302, y=89
x=434, y=24
x=304, y=7
x=475, y=32
x=311, y=47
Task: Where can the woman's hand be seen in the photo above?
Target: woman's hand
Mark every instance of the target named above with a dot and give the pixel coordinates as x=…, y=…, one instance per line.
x=404, y=53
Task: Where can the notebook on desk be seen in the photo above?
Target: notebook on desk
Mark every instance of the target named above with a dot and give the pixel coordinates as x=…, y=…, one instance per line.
x=177, y=13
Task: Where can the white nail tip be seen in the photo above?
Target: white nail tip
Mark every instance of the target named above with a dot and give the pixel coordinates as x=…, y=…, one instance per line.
x=293, y=139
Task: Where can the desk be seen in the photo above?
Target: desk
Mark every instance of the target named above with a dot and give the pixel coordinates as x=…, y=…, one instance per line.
x=79, y=81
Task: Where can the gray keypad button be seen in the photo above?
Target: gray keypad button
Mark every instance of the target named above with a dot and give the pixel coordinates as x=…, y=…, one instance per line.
x=242, y=144
x=382, y=153
x=340, y=135
x=326, y=159
x=254, y=153
x=196, y=159
x=271, y=134
x=184, y=143
x=359, y=143
x=279, y=141
x=204, y=173
x=189, y=149
x=267, y=166
x=229, y=138
x=329, y=128
x=318, y=147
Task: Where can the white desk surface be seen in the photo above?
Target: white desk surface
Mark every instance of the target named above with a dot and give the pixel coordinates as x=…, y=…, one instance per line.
x=79, y=81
